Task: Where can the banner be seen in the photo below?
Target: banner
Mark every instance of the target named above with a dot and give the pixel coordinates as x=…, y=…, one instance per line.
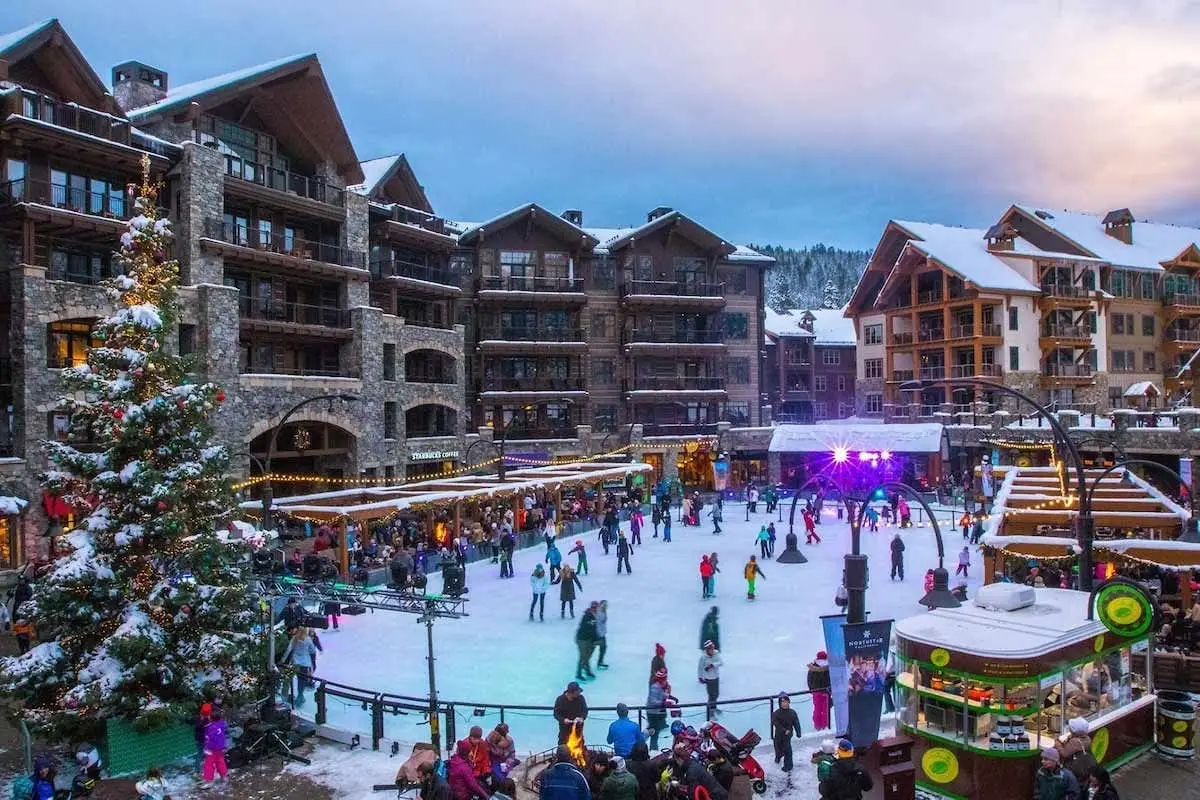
x=866, y=656
x=720, y=468
x=835, y=650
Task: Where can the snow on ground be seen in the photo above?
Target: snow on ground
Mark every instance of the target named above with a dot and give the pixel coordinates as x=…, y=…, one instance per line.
x=496, y=655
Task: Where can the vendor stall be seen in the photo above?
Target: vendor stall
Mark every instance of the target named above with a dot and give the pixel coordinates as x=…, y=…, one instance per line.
x=984, y=687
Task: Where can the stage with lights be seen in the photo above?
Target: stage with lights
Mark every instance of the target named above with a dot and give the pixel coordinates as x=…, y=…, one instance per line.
x=854, y=458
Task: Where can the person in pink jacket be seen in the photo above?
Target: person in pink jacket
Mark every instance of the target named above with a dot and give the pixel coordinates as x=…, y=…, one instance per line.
x=461, y=777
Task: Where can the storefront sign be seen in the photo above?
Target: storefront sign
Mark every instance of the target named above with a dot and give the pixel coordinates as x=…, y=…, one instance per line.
x=866, y=648
x=434, y=455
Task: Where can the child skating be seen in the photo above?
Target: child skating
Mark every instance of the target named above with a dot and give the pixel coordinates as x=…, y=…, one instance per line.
x=752, y=573
x=810, y=528
x=581, y=568
x=964, y=561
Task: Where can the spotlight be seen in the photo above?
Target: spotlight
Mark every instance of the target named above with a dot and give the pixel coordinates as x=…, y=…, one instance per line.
x=841, y=455
x=865, y=456
x=886, y=455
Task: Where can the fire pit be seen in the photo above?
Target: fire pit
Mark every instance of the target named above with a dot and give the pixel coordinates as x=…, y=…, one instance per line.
x=584, y=756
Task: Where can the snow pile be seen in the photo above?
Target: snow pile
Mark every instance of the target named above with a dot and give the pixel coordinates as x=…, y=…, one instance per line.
x=145, y=316
x=11, y=506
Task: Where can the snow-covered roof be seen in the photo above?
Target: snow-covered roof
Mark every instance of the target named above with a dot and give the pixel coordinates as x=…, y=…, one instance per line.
x=374, y=171
x=965, y=252
x=830, y=325
x=11, y=40
x=185, y=93
x=1143, y=389
x=743, y=253
x=1153, y=243
x=10, y=506
x=923, y=437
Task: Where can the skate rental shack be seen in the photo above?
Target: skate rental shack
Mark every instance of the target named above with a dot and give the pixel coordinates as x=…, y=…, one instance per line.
x=983, y=688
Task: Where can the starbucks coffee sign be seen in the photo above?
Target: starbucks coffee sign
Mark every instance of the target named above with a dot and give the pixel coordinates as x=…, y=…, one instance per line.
x=434, y=455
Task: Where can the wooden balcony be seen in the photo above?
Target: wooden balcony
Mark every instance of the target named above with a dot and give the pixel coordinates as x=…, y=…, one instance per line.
x=419, y=279
x=66, y=211
x=574, y=387
x=673, y=293
x=1059, y=374
x=975, y=371
x=930, y=297
x=294, y=318
x=654, y=340
x=677, y=384
x=1066, y=295
x=529, y=288
x=1052, y=336
x=277, y=187
x=524, y=338
x=1180, y=305
x=254, y=246
x=1181, y=340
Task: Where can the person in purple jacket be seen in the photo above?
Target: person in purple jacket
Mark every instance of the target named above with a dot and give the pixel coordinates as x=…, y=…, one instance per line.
x=214, y=748
x=461, y=777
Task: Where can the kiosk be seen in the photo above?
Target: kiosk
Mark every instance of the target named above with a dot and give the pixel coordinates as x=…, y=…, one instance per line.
x=984, y=687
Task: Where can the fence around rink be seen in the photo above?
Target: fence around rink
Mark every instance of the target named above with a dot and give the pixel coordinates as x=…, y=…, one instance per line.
x=403, y=718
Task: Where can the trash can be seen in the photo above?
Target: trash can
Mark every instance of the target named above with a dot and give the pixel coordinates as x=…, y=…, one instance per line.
x=1175, y=729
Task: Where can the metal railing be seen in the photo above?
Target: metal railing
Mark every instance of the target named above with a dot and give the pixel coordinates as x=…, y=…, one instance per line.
x=973, y=370
x=993, y=330
x=429, y=376
x=397, y=268
x=672, y=288
x=575, y=383
x=1068, y=370
x=71, y=116
x=931, y=335
x=1067, y=290
x=281, y=180
x=965, y=331
x=306, y=372
x=70, y=198
x=675, y=336
x=293, y=313
x=679, y=428
x=429, y=433
x=797, y=394
x=1183, y=335
x=532, y=333
x=932, y=373
x=902, y=338
x=902, y=375
x=412, y=216
x=932, y=296
x=1181, y=299
x=679, y=383
x=544, y=432
x=283, y=244
x=530, y=283
x=1067, y=331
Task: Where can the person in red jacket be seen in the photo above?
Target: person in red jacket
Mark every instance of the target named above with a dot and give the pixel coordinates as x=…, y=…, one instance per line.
x=810, y=528
x=463, y=784
x=706, y=573
x=481, y=757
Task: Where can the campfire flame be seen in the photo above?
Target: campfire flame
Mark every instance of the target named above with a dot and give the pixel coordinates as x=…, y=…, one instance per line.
x=575, y=745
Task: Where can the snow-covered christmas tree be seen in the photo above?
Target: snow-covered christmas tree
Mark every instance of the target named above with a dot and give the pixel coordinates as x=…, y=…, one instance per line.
x=829, y=296
x=145, y=611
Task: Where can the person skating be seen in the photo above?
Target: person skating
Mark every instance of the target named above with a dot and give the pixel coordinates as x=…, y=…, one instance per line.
x=508, y=545
x=710, y=628
x=818, y=684
x=585, y=642
x=666, y=527
x=713, y=561
x=570, y=709
x=872, y=516
x=708, y=670
x=846, y=780
x=810, y=528
x=977, y=530
x=771, y=537
x=624, y=733
x=602, y=633
x=964, y=561
x=841, y=598
x=897, y=547
x=301, y=653
x=783, y=722
x=581, y=566
x=656, y=517
x=636, y=522
x=818, y=506
x=764, y=541
x=752, y=573
x=624, y=550
x=964, y=522
x=659, y=661
x=657, y=698
x=1052, y=782
x=706, y=573
x=554, y=559
x=905, y=513
x=568, y=583
x=716, y=515
x=539, y=582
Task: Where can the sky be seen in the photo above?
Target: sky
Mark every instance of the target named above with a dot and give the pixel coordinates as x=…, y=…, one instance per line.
x=769, y=121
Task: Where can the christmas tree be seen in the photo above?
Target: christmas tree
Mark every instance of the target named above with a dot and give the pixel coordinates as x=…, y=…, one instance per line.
x=145, y=612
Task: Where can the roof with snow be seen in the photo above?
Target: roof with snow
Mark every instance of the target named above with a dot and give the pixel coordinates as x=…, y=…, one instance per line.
x=391, y=180
x=548, y=219
x=70, y=74
x=188, y=92
x=375, y=171
x=1153, y=243
x=964, y=251
x=9, y=41
x=920, y=437
x=830, y=326
x=1142, y=389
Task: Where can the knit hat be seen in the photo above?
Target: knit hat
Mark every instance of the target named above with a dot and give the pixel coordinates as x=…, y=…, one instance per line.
x=1078, y=725
x=845, y=748
x=828, y=746
x=464, y=748
x=618, y=764
x=206, y=710
x=822, y=654
x=709, y=643
x=1050, y=754
x=659, y=650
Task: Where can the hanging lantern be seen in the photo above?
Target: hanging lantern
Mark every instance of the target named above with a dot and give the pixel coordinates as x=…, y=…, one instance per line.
x=302, y=439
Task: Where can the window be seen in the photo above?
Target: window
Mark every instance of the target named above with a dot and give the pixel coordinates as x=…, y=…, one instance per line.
x=605, y=419
x=604, y=372
x=1092, y=322
x=389, y=362
x=9, y=543
x=603, y=325
x=604, y=275
x=1123, y=361
x=737, y=280
x=1146, y=291
x=556, y=265
x=1115, y=395
x=14, y=174
x=1147, y=324
x=187, y=340
x=517, y=263
x=821, y=382
x=389, y=473
x=872, y=367
x=831, y=358
x=874, y=404
x=737, y=370
x=820, y=410
x=1014, y=358
x=389, y=420
x=67, y=342
x=737, y=326
x=873, y=334
x=1122, y=324
x=736, y=413
x=1013, y=319
x=1149, y=360
x=841, y=383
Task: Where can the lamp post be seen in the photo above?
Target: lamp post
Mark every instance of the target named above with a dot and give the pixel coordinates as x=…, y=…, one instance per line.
x=1086, y=523
x=266, y=467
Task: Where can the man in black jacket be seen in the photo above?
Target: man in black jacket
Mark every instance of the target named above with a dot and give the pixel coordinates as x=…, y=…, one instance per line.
x=846, y=780
x=570, y=709
x=585, y=639
x=897, y=557
x=687, y=773
x=783, y=722
x=293, y=616
x=623, y=551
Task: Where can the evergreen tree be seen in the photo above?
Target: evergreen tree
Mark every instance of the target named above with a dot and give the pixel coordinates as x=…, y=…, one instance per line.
x=829, y=298
x=147, y=611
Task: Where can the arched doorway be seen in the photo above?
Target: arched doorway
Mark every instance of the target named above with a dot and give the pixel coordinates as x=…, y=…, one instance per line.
x=305, y=447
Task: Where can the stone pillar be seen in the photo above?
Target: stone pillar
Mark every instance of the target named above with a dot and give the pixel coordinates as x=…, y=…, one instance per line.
x=201, y=175
x=584, y=434
x=1189, y=420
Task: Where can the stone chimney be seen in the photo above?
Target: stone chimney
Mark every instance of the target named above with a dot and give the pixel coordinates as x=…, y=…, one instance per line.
x=1119, y=225
x=806, y=321
x=661, y=211
x=136, y=85
x=573, y=216
x=1001, y=236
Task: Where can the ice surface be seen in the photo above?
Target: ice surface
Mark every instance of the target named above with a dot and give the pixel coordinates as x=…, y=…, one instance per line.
x=496, y=655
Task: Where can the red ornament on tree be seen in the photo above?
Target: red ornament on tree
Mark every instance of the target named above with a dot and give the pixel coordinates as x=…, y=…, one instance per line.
x=118, y=414
x=181, y=404
x=220, y=397
x=162, y=506
x=186, y=609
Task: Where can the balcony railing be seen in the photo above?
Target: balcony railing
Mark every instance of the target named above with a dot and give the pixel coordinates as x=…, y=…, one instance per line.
x=932, y=296
x=395, y=268
x=678, y=383
x=673, y=288
x=284, y=181
x=293, y=313
x=902, y=338
x=33, y=105
x=1066, y=331
x=1183, y=335
x=532, y=333
x=973, y=371
x=797, y=393
x=1068, y=370
x=429, y=376
x=1178, y=299
x=679, y=428
x=962, y=331
x=676, y=336
x=1068, y=290
x=98, y=204
x=932, y=373
x=994, y=331
x=575, y=383
x=283, y=244
x=530, y=283
x=519, y=431
x=931, y=335
x=306, y=372
x=902, y=375
x=429, y=433
x=898, y=412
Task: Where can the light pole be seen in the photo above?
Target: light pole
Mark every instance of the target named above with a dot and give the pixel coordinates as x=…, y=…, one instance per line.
x=1086, y=523
x=266, y=467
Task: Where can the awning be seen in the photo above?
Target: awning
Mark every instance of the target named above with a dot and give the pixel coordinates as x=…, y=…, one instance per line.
x=1143, y=389
x=925, y=437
